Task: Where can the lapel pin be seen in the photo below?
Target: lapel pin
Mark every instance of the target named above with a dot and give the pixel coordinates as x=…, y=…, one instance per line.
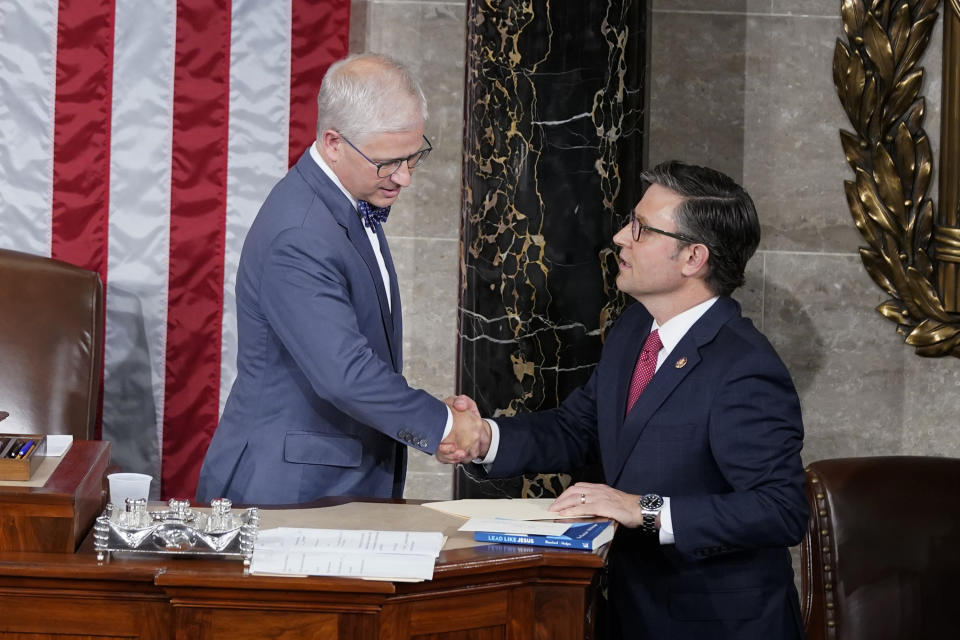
x=681, y=363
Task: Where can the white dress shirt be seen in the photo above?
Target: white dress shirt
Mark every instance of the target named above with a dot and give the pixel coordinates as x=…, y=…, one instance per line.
x=374, y=242
x=371, y=234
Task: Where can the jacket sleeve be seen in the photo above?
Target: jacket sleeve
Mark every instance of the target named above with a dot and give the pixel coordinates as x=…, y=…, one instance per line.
x=755, y=435
x=559, y=439
x=309, y=301
x=565, y=438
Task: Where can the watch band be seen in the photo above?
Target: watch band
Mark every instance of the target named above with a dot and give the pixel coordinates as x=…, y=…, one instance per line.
x=649, y=522
x=650, y=506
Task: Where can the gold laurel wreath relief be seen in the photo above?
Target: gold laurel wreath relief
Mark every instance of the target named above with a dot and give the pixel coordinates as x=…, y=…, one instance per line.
x=878, y=81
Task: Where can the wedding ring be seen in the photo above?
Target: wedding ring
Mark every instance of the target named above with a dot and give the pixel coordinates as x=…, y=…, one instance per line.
x=583, y=498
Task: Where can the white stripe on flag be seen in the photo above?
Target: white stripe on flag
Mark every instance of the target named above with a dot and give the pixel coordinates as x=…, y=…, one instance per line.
x=28, y=52
x=139, y=233
x=257, y=154
x=136, y=237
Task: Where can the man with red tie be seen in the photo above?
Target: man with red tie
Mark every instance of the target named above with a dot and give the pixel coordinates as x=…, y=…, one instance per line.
x=696, y=422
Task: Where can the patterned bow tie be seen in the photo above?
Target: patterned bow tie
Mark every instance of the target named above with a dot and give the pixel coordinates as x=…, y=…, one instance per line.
x=372, y=216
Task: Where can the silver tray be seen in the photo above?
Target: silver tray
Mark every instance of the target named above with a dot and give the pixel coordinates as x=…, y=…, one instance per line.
x=178, y=530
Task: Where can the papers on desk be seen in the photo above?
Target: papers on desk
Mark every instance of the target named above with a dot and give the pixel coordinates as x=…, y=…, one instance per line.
x=57, y=444
x=372, y=555
x=516, y=509
x=527, y=527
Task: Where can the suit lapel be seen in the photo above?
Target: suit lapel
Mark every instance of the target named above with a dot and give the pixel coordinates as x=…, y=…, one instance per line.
x=358, y=236
x=396, y=315
x=626, y=363
x=347, y=217
x=624, y=360
x=666, y=380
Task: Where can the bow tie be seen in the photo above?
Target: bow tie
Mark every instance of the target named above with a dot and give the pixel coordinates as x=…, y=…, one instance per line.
x=372, y=216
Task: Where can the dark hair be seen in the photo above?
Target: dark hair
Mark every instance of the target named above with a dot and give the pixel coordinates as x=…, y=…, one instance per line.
x=717, y=212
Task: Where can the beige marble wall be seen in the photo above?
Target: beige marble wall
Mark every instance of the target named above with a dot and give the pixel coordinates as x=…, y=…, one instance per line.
x=745, y=86
x=424, y=225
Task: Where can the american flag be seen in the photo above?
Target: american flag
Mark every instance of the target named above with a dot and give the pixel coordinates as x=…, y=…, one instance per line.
x=138, y=139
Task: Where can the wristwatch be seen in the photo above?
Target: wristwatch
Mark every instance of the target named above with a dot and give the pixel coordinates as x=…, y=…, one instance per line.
x=650, y=505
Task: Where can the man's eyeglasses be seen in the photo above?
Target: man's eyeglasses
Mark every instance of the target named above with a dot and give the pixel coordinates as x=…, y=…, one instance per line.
x=638, y=228
x=387, y=168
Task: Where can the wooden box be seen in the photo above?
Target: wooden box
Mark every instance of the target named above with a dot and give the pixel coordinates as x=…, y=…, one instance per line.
x=20, y=455
x=56, y=516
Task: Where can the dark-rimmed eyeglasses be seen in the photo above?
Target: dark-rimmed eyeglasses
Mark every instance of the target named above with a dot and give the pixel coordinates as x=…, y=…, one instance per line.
x=637, y=228
x=387, y=168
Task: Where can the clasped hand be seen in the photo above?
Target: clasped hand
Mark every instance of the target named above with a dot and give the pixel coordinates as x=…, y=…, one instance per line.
x=470, y=437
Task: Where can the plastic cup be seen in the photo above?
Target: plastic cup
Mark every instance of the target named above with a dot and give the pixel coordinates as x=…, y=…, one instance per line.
x=128, y=485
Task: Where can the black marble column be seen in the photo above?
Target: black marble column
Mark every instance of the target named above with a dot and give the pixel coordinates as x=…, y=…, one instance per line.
x=553, y=138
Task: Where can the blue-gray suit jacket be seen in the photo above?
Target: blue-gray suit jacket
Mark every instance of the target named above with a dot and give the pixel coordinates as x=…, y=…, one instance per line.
x=319, y=407
x=719, y=431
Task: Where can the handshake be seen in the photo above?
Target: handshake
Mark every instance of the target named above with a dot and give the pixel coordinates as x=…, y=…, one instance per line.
x=470, y=436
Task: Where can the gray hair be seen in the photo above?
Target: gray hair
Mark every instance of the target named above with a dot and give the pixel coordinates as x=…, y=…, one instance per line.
x=367, y=94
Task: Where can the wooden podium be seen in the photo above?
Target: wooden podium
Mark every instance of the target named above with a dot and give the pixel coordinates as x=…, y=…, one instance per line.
x=481, y=593
x=56, y=516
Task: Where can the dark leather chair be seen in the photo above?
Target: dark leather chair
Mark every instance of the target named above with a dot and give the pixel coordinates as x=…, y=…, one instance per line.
x=51, y=345
x=881, y=556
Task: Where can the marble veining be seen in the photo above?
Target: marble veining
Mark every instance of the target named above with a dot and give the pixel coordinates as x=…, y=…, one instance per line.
x=554, y=121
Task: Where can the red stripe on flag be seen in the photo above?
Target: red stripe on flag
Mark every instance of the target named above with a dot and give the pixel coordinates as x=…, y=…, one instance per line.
x=319, y=37
x=81, y=133
x=197, y=218
x=81, y=140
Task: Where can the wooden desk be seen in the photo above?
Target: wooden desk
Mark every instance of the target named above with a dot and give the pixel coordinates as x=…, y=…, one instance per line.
x=56, y=516
x=483, y=593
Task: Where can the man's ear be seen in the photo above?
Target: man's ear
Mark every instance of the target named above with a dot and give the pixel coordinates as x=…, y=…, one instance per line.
x=696, y=263
x=330, y=147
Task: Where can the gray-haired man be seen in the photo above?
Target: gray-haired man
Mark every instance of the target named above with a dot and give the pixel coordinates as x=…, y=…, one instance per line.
x=320, y=407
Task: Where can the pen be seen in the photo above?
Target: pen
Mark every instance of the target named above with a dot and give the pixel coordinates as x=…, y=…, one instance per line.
x=24, y=448
x=14, y=448
x=29, y=449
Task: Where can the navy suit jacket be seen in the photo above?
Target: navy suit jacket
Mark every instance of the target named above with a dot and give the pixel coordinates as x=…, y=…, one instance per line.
x=319, y=406
x=718, y=430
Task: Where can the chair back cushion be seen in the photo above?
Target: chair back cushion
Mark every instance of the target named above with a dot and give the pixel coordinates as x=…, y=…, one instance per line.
x=51, y=341
x=881, y=557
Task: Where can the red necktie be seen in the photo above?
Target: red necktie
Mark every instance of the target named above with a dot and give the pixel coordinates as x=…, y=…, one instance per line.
x=646, y=366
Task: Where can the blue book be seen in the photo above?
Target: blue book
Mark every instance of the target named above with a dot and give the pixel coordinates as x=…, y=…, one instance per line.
x=582, y=535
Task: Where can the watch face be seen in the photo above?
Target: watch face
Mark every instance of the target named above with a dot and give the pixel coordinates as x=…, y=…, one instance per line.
x=651, y=501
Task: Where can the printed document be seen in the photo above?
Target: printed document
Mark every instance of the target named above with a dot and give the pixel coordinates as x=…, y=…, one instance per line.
x=373, y=555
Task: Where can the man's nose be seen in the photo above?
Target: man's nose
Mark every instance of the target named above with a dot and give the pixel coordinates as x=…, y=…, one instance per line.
x=624, y=236
x=402, y=176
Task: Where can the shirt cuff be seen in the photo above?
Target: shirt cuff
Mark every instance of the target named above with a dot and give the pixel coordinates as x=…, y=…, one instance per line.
x=666, y=523
x=494, y=445
x=449, y=426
